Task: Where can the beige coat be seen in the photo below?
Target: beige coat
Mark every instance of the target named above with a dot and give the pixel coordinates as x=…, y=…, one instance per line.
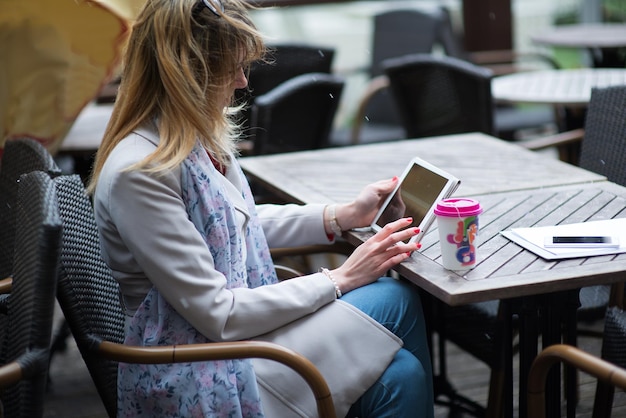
x=145, y=233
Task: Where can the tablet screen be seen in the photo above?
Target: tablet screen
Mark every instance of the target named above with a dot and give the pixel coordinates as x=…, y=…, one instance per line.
x=421, y=186
x=419, y=190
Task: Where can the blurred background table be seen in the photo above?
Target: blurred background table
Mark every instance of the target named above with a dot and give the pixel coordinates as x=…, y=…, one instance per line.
x=565, y=87
x=606, y=42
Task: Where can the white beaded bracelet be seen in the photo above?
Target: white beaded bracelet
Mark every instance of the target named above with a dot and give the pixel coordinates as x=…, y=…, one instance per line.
x=334, y=225
x=330, y=276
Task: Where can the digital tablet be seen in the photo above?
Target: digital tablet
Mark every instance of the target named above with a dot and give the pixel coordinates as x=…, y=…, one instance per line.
x=420, y=187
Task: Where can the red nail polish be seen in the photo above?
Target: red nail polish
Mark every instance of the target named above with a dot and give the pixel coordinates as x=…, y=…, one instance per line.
x=416, y=231
x=419, y=245
x=394, y=178
x=409, y=220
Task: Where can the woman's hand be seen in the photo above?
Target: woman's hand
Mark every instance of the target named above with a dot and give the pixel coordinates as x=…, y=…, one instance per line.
x=374, y=257
x=361, y=211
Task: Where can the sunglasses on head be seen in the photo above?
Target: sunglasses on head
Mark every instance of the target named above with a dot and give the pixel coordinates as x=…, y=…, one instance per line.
x=211, y=5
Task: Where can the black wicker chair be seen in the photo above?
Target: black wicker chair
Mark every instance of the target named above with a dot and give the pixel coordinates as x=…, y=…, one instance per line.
x=29, y=307
x=609, y=369
x=21, y=155
x=509, y=120
x=395, y=33
x=284, y=61
x=437, y=95
x=89, y=297
x=296, y=115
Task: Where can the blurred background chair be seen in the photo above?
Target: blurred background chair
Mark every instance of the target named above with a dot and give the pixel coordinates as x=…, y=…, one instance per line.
x=89, y=297
x=395, y=33
x=437, y=95
x=296, y=115
x=410, y=31
x=284, y=61
x=511, y=122
x=29, y=308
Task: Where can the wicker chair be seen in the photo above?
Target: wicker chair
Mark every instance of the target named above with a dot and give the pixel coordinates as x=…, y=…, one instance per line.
x=440, y=95
x=296, y=115
x=508, y=119
x=21, y=156
x=89, y=298
x=284, y=62
x=610, y=369
x=29, y=307
x=395, y=33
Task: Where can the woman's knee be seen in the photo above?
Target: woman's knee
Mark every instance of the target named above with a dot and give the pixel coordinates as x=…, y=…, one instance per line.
x=387, y=299
x=404, y=389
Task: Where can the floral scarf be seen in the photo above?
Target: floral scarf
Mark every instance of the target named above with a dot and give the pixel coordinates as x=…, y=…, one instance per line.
x=224, y=388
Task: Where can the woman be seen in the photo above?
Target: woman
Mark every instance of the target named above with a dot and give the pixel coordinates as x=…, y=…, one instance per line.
x=182, y=235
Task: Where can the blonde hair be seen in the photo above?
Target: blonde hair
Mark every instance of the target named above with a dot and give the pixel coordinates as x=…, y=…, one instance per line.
x=180, y=60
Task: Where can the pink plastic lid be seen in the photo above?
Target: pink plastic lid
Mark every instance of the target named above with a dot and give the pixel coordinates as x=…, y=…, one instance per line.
x=458, y=207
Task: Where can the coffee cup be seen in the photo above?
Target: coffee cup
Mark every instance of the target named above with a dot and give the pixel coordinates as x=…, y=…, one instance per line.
x=457, y=221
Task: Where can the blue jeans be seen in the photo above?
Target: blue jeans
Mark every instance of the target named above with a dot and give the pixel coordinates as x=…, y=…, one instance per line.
x=405, y=389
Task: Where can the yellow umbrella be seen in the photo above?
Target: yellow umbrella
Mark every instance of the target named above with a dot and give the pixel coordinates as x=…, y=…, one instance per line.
x=55, y=56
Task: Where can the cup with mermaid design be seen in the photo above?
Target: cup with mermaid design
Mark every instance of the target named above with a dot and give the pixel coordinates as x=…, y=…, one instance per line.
x=457, y=221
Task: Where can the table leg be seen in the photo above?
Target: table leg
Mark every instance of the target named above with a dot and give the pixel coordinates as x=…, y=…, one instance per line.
x=558, y=312
x=506, y=313
x=570, y=336
x=551, y=334
x=608, y=57
x=528, y=336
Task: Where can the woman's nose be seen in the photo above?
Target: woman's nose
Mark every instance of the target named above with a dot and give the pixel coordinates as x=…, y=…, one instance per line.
x=240, y=80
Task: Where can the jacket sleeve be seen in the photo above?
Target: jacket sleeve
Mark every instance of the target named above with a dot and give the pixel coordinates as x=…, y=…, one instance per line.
x=293, y=225
x=147, y=235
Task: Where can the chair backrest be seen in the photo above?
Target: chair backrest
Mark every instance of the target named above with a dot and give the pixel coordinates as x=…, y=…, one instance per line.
x=401, y=32
x=284, y=61
x=397, y=33
x=438, y=95
x=603, y=148
x=21, y=155
x=30, y=305
x=296, y=115
x=87, y=292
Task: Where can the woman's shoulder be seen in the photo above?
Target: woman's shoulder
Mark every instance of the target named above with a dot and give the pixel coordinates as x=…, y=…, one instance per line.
x=131, y=150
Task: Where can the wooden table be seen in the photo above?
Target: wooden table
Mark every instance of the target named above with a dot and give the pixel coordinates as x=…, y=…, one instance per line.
x=483, y=163
x=518, y=188
x=569, y=87
x=603, y=40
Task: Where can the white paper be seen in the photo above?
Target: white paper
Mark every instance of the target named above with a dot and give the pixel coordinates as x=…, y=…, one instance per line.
x=533, y=238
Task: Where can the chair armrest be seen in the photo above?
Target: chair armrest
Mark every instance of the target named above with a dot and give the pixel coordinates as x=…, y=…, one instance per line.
x=10, y=374
x=506, y=61
x=375, y=85
x=556, y=140
x=224, y=351
x=564, y=142
x=588, y=363
x=6, y=285
x=286, y=272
